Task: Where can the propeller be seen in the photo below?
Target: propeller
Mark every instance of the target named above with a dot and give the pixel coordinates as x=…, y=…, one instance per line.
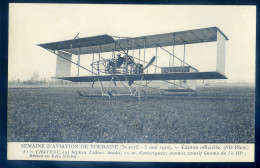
x=150, y=62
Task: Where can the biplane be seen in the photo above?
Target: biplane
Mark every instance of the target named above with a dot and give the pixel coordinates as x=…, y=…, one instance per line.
x=132, y=70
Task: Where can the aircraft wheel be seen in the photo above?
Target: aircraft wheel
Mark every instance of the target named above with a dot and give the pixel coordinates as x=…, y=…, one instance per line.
x=134, y=93
x=141, y=95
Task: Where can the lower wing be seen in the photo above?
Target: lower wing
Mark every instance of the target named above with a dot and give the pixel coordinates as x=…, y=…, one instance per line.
x=138, y=77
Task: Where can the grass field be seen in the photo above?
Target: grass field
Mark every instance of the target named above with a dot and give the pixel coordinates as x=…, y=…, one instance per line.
x=212, y=115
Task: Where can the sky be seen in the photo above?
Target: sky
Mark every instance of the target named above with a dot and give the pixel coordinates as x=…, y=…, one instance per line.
x=32, y=24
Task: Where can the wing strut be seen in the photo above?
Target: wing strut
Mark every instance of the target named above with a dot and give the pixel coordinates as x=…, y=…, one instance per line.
x=71, y=61
x=149, y=63
x=176, y=57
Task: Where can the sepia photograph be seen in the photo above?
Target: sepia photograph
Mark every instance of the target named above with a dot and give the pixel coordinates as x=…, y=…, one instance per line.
x=158, y=74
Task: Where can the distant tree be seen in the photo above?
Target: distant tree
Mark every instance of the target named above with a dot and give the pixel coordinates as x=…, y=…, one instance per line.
x=35, y=77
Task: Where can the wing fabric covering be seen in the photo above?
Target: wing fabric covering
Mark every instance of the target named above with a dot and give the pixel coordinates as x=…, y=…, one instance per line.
x=106, y=43
x=63, y=66
x=168, y=76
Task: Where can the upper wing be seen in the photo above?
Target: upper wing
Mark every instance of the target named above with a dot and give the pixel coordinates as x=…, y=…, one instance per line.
x=166, y=76
x=106, y=43
x=73, y=46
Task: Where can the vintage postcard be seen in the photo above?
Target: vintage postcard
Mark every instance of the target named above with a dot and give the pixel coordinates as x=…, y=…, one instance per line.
x=139, y=83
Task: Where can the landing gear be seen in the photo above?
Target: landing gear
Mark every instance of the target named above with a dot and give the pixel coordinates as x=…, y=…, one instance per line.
x=109, y=94
x=113, y=92
x=141, y=95
x=134, y=93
